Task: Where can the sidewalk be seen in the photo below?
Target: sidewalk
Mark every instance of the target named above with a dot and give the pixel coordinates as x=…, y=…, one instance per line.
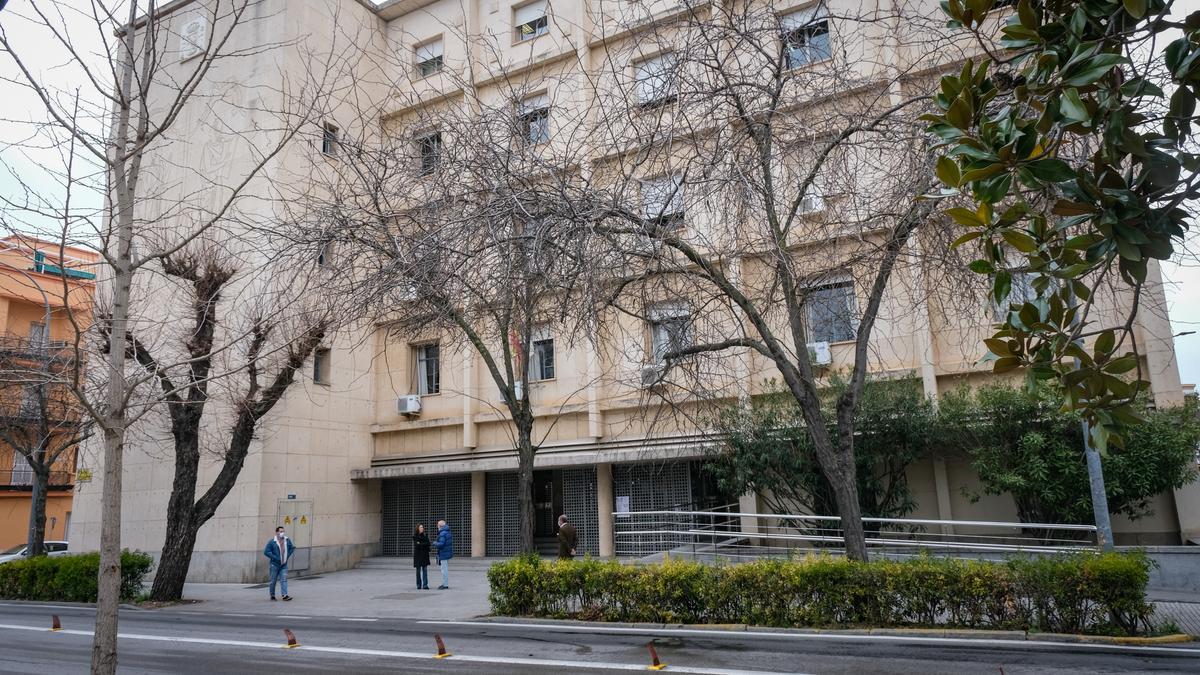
x=378, y=588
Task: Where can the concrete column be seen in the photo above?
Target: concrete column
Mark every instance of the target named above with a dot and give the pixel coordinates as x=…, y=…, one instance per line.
x=470, y=392
x=941, y=484
x=748, y=503
x=604, y=510
x=478, y=514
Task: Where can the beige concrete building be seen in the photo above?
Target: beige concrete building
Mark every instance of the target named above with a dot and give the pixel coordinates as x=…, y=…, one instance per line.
x=348, y=464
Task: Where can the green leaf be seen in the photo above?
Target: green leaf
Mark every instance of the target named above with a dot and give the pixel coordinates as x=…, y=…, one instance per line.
x=1020, y=241
x=1105, y=342
x=998, y=347
x=1005, y=364
x=981, y=267
x=947, y=171
x=1089, y=70
x=1051, y=170
x=982, y=173
x=1122, y=365
x=966, y=217
x=970, y=236
x=1136, y=8
x=1073, y=107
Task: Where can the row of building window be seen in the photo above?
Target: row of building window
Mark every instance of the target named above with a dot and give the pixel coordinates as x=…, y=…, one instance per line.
x=804, y=39
x=829, y=309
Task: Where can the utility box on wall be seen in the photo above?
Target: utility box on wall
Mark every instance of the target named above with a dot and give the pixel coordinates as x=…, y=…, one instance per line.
x=296, y=516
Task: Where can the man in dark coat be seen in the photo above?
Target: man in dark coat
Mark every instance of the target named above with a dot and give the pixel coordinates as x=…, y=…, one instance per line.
x=567, y=538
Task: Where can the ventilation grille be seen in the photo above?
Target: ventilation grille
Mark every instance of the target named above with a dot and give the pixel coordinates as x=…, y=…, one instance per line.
x=653, y=487
x=408, y=501
x=579, y=502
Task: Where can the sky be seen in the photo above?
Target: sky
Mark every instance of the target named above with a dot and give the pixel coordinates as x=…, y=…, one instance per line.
x=21, y=109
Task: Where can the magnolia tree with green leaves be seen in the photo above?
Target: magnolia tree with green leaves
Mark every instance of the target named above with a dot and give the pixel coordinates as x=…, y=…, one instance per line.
x=1072, y=140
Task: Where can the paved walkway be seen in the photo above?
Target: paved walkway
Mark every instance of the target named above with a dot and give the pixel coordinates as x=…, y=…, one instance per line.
x=380, y=588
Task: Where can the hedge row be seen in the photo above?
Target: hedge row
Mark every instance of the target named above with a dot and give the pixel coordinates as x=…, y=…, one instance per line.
x=1067, y=594
x=69, y=578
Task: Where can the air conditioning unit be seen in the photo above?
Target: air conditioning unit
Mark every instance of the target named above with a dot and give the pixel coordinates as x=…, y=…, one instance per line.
x=819, y=354
x=652, y=375
x=812, y=204
x=408, y=405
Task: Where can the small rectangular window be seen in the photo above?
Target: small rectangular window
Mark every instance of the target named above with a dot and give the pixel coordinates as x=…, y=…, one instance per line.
x=321, y=365
x=429, y=376
x=22, y=473
x=805, y=36
x=670, y=330
x=329, y=139
x=429, y=150
x=662, y=200
x=541, y=360
x=829, y=309
x=655, y=80
x=429, y=58
x=530, y=20
x=39, y=337
x=533, y=119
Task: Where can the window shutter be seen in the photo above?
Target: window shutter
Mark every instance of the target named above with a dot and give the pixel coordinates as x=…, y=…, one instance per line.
x=430, y=50
x=537, y=102
x=803, y=17
x=526, y=13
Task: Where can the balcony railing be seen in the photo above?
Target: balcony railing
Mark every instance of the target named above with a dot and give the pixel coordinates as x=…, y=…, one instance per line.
x=21, y=346
x=22, y=479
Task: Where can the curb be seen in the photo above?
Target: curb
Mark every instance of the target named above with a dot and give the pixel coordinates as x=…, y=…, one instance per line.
x=950, y=633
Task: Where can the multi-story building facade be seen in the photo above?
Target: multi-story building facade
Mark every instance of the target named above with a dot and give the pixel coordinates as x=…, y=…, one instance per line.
x=42, y=291
x=393, y=428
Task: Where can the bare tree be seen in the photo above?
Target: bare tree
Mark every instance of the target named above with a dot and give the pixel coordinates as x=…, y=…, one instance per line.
x=765, y=188
x=133, y=103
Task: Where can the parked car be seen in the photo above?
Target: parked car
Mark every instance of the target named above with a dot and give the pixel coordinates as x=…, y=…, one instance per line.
x=17, y=552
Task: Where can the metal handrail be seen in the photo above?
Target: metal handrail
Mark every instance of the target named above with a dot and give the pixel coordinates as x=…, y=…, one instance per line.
x=899, y=521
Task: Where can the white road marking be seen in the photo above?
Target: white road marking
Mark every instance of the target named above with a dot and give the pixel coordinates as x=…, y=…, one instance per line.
x=507, y=660
x=27, y=605
x=984, y=642
x=290, y=616
x=228, y=614
x=354, y=619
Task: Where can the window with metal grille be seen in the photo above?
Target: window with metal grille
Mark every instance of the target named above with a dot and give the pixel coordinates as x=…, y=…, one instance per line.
x=670, y=330
x=830, y=312
x=805, y=36
x=321, y=366
x=429, y=151
x=408, y=501
x=429, y=376
x=533, y=119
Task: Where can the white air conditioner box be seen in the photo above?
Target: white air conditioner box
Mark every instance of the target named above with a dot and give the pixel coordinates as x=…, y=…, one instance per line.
x=819, y=354
x=408, y=405
x=651, y=375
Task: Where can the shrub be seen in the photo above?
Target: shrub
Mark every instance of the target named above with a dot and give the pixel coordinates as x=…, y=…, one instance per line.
x=69, y=578
x=1081, y=593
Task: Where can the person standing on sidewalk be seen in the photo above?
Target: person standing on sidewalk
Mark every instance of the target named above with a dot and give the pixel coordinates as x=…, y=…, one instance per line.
x=445, y=551
x=567, y=538
x=421, y=557
x=279, y=551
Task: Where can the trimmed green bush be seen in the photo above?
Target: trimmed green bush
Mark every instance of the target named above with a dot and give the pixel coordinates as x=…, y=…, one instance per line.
x=69, y=578
x=1083, y=593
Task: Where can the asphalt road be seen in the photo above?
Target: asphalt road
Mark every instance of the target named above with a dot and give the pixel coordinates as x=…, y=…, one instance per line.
x=190, y=640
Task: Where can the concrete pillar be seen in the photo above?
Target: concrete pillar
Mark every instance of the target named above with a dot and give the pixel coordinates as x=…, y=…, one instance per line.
x=941, y=484
x=604, y=510
x=748, y=503
x=478, y=514
x=469, y=396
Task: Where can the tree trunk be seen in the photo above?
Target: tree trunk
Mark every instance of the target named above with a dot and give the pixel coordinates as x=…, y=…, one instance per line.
x=37, y=510
x=845, y=490
x=180, y=539
x=525, y=512
x=173, y=562
x=104, y=640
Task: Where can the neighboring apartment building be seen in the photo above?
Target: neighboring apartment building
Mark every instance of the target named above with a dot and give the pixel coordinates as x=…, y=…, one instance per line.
x=35, y=348
x=349, y=464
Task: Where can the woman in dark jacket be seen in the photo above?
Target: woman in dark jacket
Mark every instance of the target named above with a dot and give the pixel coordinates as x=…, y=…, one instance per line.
x=421, y=557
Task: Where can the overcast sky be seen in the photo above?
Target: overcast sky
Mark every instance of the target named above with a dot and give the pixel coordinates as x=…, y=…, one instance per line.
x=20, y=111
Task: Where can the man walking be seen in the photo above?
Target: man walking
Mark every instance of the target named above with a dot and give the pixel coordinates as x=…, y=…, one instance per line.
x=279, y=551
x=567, y=538
x=445, y=551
